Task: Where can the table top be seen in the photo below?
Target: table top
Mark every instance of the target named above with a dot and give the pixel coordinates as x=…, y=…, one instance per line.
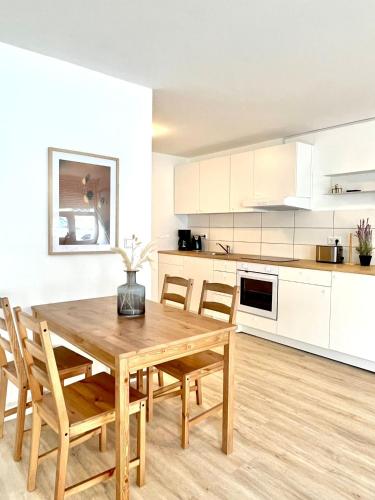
x=94, y=326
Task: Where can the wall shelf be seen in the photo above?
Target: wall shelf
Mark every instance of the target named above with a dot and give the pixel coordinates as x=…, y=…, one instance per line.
x=352, y=172
x=353, y=192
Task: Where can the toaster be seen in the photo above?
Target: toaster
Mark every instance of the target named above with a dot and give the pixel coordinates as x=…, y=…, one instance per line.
x=330, y=253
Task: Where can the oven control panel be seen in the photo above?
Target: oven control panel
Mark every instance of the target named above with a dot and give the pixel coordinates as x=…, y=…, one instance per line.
x=257, y=268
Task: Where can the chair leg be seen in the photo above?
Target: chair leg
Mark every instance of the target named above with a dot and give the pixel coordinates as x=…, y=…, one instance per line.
x=185, y=412
x=103, y=439
x=34, y=450
x=20, y=426
x=141, y=444
x=140, y=380
x=198, y=389
x=62, y=464
x=150, y=394
x=161, y=378
x=88, y=371
x=3, y=398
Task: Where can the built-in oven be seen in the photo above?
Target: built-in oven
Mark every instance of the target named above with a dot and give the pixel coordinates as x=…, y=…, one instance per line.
x=258, y=289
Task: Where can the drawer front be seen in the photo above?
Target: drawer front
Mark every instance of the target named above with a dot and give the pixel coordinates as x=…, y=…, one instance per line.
x=176, y=260
x=257, y=322
x=308, y=276
x=225, y=265
x=224, y=277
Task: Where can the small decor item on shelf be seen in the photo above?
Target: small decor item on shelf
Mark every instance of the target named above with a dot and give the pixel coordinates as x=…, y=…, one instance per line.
x=131, y=295
x=364, y=248
x=336, y=189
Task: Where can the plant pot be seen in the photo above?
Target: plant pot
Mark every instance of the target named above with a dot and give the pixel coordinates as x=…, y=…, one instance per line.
x=131, y=297
x=365, y=260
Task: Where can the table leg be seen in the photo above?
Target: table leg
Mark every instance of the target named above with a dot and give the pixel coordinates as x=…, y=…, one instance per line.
x=122, y=428
x=228, y=397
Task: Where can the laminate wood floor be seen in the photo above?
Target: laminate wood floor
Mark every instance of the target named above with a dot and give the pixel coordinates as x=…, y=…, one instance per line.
x=304, y=429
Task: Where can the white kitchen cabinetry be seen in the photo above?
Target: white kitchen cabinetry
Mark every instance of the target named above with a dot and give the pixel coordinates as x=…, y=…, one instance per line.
x=304, y=312
x=352, y=330
x=172, y=265
x=186, y=188
x=282, y=171
x=197, y=269
x=214, y=185
x=241, y=180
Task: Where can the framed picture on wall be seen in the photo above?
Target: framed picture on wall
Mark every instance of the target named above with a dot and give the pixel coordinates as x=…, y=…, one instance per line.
x=83, y=202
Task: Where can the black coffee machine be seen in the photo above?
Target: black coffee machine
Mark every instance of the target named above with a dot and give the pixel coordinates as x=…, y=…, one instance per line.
x=196, y=242
x=184, y=239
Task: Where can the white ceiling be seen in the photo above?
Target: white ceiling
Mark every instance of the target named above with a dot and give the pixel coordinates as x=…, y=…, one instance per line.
x=225, y=72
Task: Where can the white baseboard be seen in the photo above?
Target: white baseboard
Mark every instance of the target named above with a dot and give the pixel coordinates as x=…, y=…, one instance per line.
x=320, y=351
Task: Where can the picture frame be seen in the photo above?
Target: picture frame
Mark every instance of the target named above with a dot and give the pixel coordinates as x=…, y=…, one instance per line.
x=82, y=202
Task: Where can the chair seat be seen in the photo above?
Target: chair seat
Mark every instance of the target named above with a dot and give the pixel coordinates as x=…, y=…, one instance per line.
x=11, y=372
x=89, y=398
x=191, y=364
x=67, y=360
x=69, y=363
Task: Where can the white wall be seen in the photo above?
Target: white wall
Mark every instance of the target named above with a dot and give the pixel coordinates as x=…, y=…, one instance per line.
x=45, y=102
x=164, y=222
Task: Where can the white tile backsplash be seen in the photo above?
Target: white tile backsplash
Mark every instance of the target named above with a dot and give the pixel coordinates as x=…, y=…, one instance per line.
x=246, y=234
x=221, y=220
x=350, y=218
x=312, y=236
x=305, y=252
x=247, y=248
x=198, y=220
x=276, y=250
x=313, y=219
x=221, y=234
x=278, y=219
x=279, y=234
x=247, y=220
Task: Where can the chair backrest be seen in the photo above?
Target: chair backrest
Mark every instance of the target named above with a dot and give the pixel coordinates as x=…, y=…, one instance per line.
x=175, y=297
x=232, y=291
x=10, y=345
x=41, y=367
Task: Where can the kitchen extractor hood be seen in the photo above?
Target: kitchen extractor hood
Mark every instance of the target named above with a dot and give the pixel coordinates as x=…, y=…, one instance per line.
x=288, y=203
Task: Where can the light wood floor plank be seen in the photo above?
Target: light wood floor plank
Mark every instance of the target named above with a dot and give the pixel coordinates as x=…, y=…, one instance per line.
x=304, y=430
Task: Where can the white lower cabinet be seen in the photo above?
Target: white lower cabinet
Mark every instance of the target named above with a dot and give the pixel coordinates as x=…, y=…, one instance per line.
x=198, y=269
x=304, y=312
x=352, y=330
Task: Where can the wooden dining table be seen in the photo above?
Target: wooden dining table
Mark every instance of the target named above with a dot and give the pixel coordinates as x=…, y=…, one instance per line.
x=126, y=345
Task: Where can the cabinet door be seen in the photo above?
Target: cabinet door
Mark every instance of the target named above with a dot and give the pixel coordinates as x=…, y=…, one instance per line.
x=214, y=185
x=197, y=269
x=304, y=312
x=186, y=188
x=172, y=270
x=275, y=172
x=352, y=330
x=241, y=180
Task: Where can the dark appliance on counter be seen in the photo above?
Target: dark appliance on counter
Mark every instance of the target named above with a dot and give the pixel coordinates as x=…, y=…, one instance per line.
x=196, y=243
x=184, y=239
x=332, y=254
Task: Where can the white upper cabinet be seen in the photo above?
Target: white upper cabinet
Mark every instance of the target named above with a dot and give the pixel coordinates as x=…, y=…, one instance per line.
x=214, y=185
x=186, y=188
x=241, y=180
x=282, y=171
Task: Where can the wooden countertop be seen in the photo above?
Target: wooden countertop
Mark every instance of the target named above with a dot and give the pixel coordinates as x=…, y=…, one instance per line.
x=304, y=264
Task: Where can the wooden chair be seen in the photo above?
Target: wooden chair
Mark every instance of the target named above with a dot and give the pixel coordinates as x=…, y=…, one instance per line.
x=184, y=301
x=70, y=364
x=75, y=412
x=191, y=369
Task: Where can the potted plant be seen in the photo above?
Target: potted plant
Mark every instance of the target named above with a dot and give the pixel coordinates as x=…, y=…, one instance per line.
x=131, y=295
x=364, y=248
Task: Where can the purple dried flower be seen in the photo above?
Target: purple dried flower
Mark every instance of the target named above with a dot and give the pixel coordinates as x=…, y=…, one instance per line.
x=364, y=235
